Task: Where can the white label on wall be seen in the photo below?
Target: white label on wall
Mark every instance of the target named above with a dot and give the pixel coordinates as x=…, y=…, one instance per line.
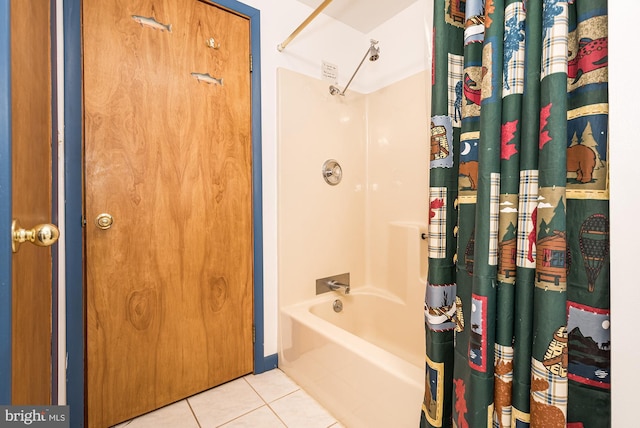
x=329, y=72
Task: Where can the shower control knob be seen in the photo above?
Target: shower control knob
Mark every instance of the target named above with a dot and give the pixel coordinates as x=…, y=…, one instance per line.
x=332, y=172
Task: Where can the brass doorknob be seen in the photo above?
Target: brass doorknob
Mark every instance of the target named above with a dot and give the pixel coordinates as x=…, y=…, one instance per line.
x=104, y=221
x=42, y=235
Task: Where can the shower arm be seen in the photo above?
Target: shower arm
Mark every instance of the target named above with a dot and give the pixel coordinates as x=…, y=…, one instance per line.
x=301, y=27
x=355, y=72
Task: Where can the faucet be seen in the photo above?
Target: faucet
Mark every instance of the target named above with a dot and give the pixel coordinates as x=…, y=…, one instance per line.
x=336, y=285
x=333, y=283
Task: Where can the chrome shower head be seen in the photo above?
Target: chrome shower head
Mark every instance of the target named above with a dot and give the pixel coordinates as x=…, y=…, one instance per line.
x=374, y=52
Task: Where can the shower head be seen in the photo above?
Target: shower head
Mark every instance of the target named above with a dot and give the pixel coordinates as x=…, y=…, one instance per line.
x=373, y=53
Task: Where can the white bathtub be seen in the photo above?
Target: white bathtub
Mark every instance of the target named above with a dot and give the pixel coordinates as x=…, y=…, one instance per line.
x=364, y=364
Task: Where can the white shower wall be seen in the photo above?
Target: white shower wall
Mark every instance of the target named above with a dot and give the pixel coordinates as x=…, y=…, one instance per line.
x=397, y=168
x=381, y=141
x=321, y=228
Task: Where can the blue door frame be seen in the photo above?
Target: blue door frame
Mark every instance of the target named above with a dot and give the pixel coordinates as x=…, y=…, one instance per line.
x=5, y=202
x=73, y=114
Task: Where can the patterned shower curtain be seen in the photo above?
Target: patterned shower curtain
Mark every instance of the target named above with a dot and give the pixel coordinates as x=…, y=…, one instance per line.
x=517, y=301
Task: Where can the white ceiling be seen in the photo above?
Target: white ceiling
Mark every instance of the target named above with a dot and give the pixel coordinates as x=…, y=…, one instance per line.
x=363, y=15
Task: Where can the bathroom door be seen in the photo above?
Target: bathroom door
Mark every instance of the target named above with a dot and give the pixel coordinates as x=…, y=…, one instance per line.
x=169, y=246
x=31, y=266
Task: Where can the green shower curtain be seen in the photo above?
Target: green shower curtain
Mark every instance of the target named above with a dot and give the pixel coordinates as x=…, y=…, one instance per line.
x=517, y=302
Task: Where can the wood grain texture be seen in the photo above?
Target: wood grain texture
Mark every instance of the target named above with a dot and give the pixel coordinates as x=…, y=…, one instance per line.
x=31, y=199
x=170, y=284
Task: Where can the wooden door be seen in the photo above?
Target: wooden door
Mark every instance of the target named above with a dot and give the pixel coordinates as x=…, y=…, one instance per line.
x=31, y=199
x=168, y=158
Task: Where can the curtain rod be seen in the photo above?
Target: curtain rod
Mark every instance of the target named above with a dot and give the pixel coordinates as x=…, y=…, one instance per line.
x=306, y=22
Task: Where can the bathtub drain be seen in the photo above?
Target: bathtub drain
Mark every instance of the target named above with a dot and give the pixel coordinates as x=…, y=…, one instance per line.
x=337, y=305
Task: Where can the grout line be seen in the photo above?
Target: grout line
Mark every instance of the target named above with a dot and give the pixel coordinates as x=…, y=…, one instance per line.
x=276, y=413
x=268, y=404
x=335, y=420
x=193, y=413
x=275, y=399
x=241, y=416
x=278, y=416
x=254, y=390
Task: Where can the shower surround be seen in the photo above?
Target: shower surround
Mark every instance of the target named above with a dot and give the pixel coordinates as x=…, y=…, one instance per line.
x=369, y=225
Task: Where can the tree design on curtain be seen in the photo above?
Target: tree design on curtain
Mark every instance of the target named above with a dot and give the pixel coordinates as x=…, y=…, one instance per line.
x=520, y=228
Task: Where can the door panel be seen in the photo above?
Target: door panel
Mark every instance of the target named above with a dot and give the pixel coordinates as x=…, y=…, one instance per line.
x=31, y=200
x=168, y=156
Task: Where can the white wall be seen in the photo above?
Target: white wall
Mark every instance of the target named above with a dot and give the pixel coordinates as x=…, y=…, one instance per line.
x=625, y=235
x=402, y=46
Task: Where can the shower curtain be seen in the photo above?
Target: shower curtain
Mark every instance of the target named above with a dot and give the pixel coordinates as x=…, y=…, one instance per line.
x=517, y=300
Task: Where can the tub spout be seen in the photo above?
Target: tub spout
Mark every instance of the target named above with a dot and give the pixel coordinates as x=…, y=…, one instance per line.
x=333, y=283
x=336, y=285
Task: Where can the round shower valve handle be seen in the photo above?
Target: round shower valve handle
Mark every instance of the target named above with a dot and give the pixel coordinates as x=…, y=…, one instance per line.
x=332, y=172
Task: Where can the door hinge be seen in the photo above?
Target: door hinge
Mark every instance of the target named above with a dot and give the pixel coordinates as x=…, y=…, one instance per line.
x=250, y=63
x=253, y=333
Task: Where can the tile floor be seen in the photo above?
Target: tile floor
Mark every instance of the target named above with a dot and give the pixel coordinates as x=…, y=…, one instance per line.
x=267, y=400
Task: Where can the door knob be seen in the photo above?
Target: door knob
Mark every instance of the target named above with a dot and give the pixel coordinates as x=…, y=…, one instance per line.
x=104, y=221
x=42, y=235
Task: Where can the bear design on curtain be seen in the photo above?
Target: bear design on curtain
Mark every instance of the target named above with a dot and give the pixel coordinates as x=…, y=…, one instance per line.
x=517, y=300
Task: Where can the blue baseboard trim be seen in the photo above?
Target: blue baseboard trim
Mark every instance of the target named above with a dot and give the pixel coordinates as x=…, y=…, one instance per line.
x=269, y=362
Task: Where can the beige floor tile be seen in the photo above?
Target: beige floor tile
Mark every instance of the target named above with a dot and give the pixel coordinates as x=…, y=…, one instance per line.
x=272, y=384
x=260, y=418
x=224, y=403
x=300, y=410
x=175, y=415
